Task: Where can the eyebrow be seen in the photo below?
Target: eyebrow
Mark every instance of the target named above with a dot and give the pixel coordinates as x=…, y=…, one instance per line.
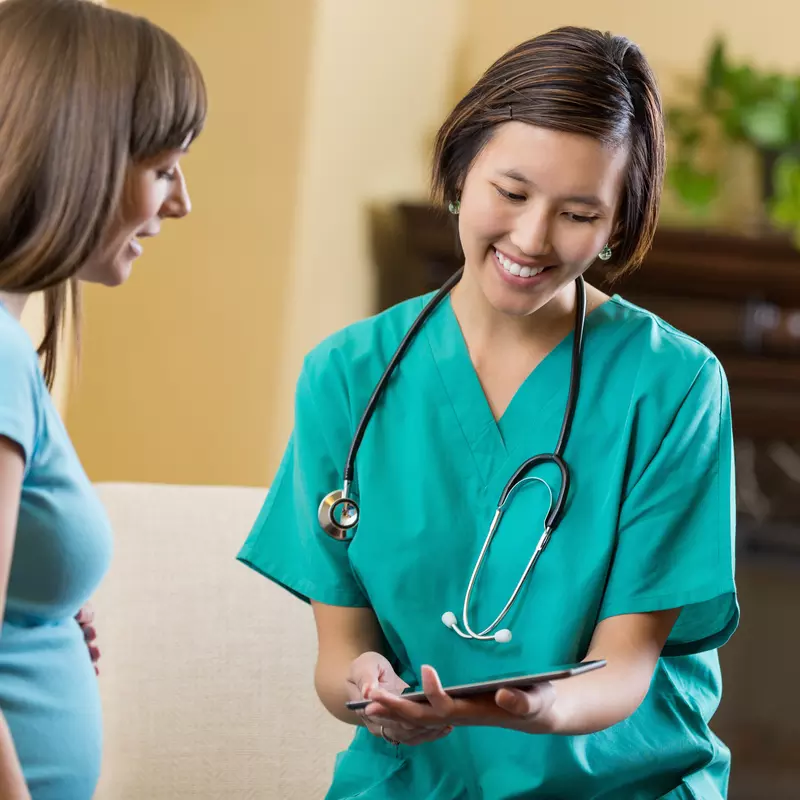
x=582, y=199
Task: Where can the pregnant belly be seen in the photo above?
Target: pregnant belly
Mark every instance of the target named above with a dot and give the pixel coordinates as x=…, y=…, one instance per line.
x=49, y=697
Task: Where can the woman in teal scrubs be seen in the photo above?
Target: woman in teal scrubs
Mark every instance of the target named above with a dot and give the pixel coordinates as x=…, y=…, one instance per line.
x=554, y=158
x=96, y=110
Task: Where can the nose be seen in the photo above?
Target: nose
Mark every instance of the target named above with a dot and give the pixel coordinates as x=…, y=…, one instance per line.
x=178, y=204
x=531, y=231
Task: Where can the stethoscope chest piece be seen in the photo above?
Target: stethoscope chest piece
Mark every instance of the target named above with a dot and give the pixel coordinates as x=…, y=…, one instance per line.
x=338, y=515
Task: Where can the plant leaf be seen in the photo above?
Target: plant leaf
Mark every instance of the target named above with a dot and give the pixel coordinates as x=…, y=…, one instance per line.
x=767, y=123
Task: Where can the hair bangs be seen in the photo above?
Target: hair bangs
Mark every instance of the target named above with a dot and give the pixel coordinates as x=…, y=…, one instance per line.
x=170, y=103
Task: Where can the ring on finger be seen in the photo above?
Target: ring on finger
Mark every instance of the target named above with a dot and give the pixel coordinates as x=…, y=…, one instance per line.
x=388, y=738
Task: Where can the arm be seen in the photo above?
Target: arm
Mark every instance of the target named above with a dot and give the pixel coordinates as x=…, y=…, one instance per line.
x=344, y=634
x=12, y=465
x=632, y=645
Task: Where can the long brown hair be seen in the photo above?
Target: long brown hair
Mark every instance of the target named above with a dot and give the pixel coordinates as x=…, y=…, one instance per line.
x=84, y=91
x=579, y=81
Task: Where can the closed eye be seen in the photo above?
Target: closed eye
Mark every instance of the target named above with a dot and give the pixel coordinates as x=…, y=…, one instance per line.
x=514, y=198
x=579, y=217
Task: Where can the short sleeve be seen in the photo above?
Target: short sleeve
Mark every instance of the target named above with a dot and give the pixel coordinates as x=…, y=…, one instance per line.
x=286, y=543
x=19, y=390
x=676, y=533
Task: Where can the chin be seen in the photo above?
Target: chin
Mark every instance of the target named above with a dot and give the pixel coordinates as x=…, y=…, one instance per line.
x=115, y=274
x=512, y=303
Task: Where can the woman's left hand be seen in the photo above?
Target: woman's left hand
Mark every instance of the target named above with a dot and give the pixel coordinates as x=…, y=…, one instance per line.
x=529, y=710
x=85, y=618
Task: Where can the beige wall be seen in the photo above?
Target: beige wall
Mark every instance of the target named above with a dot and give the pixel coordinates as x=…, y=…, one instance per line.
x=179, y=368
x=381, y=75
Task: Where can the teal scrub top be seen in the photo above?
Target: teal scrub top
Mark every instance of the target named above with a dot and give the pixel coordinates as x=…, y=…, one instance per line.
x=48, y=688
x=649, y=525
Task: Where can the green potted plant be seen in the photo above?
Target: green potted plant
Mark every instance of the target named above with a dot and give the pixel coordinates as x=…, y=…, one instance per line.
x=738, y=104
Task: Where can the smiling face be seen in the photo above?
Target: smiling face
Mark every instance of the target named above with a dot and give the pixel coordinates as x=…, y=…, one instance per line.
x=155, y=190
x=537, y=206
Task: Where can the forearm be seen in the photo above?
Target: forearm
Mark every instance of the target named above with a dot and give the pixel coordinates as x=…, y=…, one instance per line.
x=631, y=645
x=330, y=682
x=596, y=701
x=12, y=782
x=344, y=634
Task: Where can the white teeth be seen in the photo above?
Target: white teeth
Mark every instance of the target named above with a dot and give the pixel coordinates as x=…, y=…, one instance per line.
x=516, y=269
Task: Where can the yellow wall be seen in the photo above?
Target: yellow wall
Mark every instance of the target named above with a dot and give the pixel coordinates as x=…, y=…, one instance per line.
x=675, y=36
x=317, y=109
x=381, y=75
x=179, y=366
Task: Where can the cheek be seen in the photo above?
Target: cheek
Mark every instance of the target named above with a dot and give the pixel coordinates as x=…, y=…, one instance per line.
x=579, y=243
x=142, y=203
x=483, y=219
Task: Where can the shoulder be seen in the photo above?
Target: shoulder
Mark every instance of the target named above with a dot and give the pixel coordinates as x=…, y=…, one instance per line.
x=359, y=353
x=659, y=355
x=21, y=386
x=18, y=358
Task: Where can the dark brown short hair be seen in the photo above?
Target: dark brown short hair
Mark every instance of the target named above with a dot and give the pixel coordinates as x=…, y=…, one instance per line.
x=579, y=81
x=84, y=92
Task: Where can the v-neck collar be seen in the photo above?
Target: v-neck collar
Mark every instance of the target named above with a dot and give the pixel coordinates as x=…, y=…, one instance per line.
x=492, y=442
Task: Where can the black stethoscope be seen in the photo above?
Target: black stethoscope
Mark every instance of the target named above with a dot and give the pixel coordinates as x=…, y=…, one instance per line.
x=339, y=513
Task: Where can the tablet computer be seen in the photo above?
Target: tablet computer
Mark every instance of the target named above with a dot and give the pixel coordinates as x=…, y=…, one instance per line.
x=484, y=687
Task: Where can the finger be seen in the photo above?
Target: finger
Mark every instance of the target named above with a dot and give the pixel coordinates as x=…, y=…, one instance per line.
x=524, y=703
x=86, y=615
x=398, y=708
x=441, y=703
x=386, y=716
x=375, y=723
x=89, y=633
x=94, y=654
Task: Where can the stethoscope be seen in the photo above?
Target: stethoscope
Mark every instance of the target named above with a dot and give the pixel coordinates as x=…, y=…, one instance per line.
x=339, y=513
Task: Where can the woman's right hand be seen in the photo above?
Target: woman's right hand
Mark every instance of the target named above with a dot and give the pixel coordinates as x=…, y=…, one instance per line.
x=371, y=670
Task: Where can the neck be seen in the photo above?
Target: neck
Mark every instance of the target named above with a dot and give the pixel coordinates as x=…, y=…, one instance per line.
x=550, y=322
x=14, y=303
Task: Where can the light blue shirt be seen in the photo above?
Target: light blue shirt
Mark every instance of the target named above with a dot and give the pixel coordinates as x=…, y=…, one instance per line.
x=48, y=689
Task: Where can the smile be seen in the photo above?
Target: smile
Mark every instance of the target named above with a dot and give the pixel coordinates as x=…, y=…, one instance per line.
x=515, y=269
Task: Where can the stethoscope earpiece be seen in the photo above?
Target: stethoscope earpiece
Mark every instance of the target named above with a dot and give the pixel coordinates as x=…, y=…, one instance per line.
x=501, y=637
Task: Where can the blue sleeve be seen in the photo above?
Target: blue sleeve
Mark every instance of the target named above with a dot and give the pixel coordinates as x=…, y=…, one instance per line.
x=286, y=543
x=19, y=390
x=675, y=545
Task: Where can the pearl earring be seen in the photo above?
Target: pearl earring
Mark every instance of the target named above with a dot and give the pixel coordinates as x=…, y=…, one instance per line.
x=454, y=207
